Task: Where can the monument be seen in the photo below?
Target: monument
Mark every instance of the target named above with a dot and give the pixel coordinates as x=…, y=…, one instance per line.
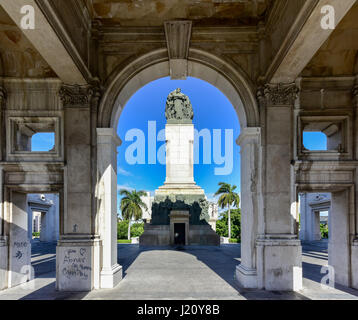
x=180, y=210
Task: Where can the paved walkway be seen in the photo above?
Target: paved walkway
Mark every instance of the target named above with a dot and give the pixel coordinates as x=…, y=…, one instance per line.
x=178, y=273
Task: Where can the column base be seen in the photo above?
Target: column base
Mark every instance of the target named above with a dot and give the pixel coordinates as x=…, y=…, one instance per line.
x=246, y=277
x=3, y=263
x=20, y=269
x=111, y=278
x=279, y=263
x=75, y=264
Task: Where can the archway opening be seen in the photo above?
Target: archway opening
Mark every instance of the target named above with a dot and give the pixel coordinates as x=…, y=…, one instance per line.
x=324, y=233
x=142, y=165
x=43, y=228
x=121, y=86
x=216, y=155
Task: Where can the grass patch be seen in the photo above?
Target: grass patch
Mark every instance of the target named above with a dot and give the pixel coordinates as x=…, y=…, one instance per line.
x=124, y=241
x=233, y=241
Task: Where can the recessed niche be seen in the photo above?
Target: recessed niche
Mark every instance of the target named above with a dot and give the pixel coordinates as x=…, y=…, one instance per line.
x=326, y=136
x=33, y=137
x=25, y=132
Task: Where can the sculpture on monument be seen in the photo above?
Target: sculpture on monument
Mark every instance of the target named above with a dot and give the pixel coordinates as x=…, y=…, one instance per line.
x=179, y=203
x=178, y=108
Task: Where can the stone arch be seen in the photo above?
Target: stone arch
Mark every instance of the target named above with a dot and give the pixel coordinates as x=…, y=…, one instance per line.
x=233, y=82
x=121, y=85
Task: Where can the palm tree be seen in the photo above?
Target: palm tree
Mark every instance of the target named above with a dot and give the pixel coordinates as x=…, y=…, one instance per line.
x=228, y=197
x=132, y=206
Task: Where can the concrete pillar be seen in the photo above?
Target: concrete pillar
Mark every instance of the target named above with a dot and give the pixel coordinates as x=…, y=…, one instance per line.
x=3, y=238
x=107, y=143
x=303, y=217
x=45, y=226
x=338, y=244
x=50, y=221
x=279, y=261
x=249, y=141
x=78, y=249
x=316, y=225
x=355, y=263
x=56, y=216
x=354, y=247
x=19, y=243
x=29, y=221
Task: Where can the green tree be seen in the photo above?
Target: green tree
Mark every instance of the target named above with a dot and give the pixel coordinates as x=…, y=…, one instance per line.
x=228, y=198
x=222, y=224
x=137, y=229
x=122, y=229
x=132, y=206
x=324, y=230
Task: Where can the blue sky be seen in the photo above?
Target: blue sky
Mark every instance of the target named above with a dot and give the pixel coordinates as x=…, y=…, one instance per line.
x=314, y=140
x=42, y=141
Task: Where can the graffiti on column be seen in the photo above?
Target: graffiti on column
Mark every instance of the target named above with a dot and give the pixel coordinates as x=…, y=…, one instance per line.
x=76, y=265
x=19, y=247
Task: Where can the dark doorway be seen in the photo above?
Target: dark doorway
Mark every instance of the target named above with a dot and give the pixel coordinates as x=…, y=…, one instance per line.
x=179, y=233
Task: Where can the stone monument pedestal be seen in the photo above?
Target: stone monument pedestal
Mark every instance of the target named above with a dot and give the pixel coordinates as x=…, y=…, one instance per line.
x=180, y=208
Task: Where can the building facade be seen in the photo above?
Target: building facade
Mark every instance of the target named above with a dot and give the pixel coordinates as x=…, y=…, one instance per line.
x=287, y=66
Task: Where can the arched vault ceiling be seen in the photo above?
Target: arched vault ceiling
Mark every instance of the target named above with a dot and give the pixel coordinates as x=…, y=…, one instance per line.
x=202, y=13
x=339, y=54
x=18, y=57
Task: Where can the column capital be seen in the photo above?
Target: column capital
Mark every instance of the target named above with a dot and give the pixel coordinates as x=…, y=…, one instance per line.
x=278, y=94
x=109, y=133
x=249, y=134
x=79, y=95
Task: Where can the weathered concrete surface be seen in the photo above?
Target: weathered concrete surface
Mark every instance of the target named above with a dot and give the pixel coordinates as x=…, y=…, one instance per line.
x=45, y=40
x=171, y=277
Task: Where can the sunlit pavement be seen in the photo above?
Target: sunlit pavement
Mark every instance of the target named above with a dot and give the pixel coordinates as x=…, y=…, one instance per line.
x=191, y=272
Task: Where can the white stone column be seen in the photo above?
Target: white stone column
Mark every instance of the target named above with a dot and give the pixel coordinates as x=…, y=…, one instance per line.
x=107, y=143
x=249, y=141
x=316, y=227
x=354, y=246
x=78, y=248
x=19, y=243
x=355, y=263
x=303, y=217
x=29, y=221
x=279, y=260
x=3, y=239
x=339, y=242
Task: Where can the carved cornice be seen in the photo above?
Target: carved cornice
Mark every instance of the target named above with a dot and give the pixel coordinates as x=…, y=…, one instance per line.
x=278, y=94
x=79, y=96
